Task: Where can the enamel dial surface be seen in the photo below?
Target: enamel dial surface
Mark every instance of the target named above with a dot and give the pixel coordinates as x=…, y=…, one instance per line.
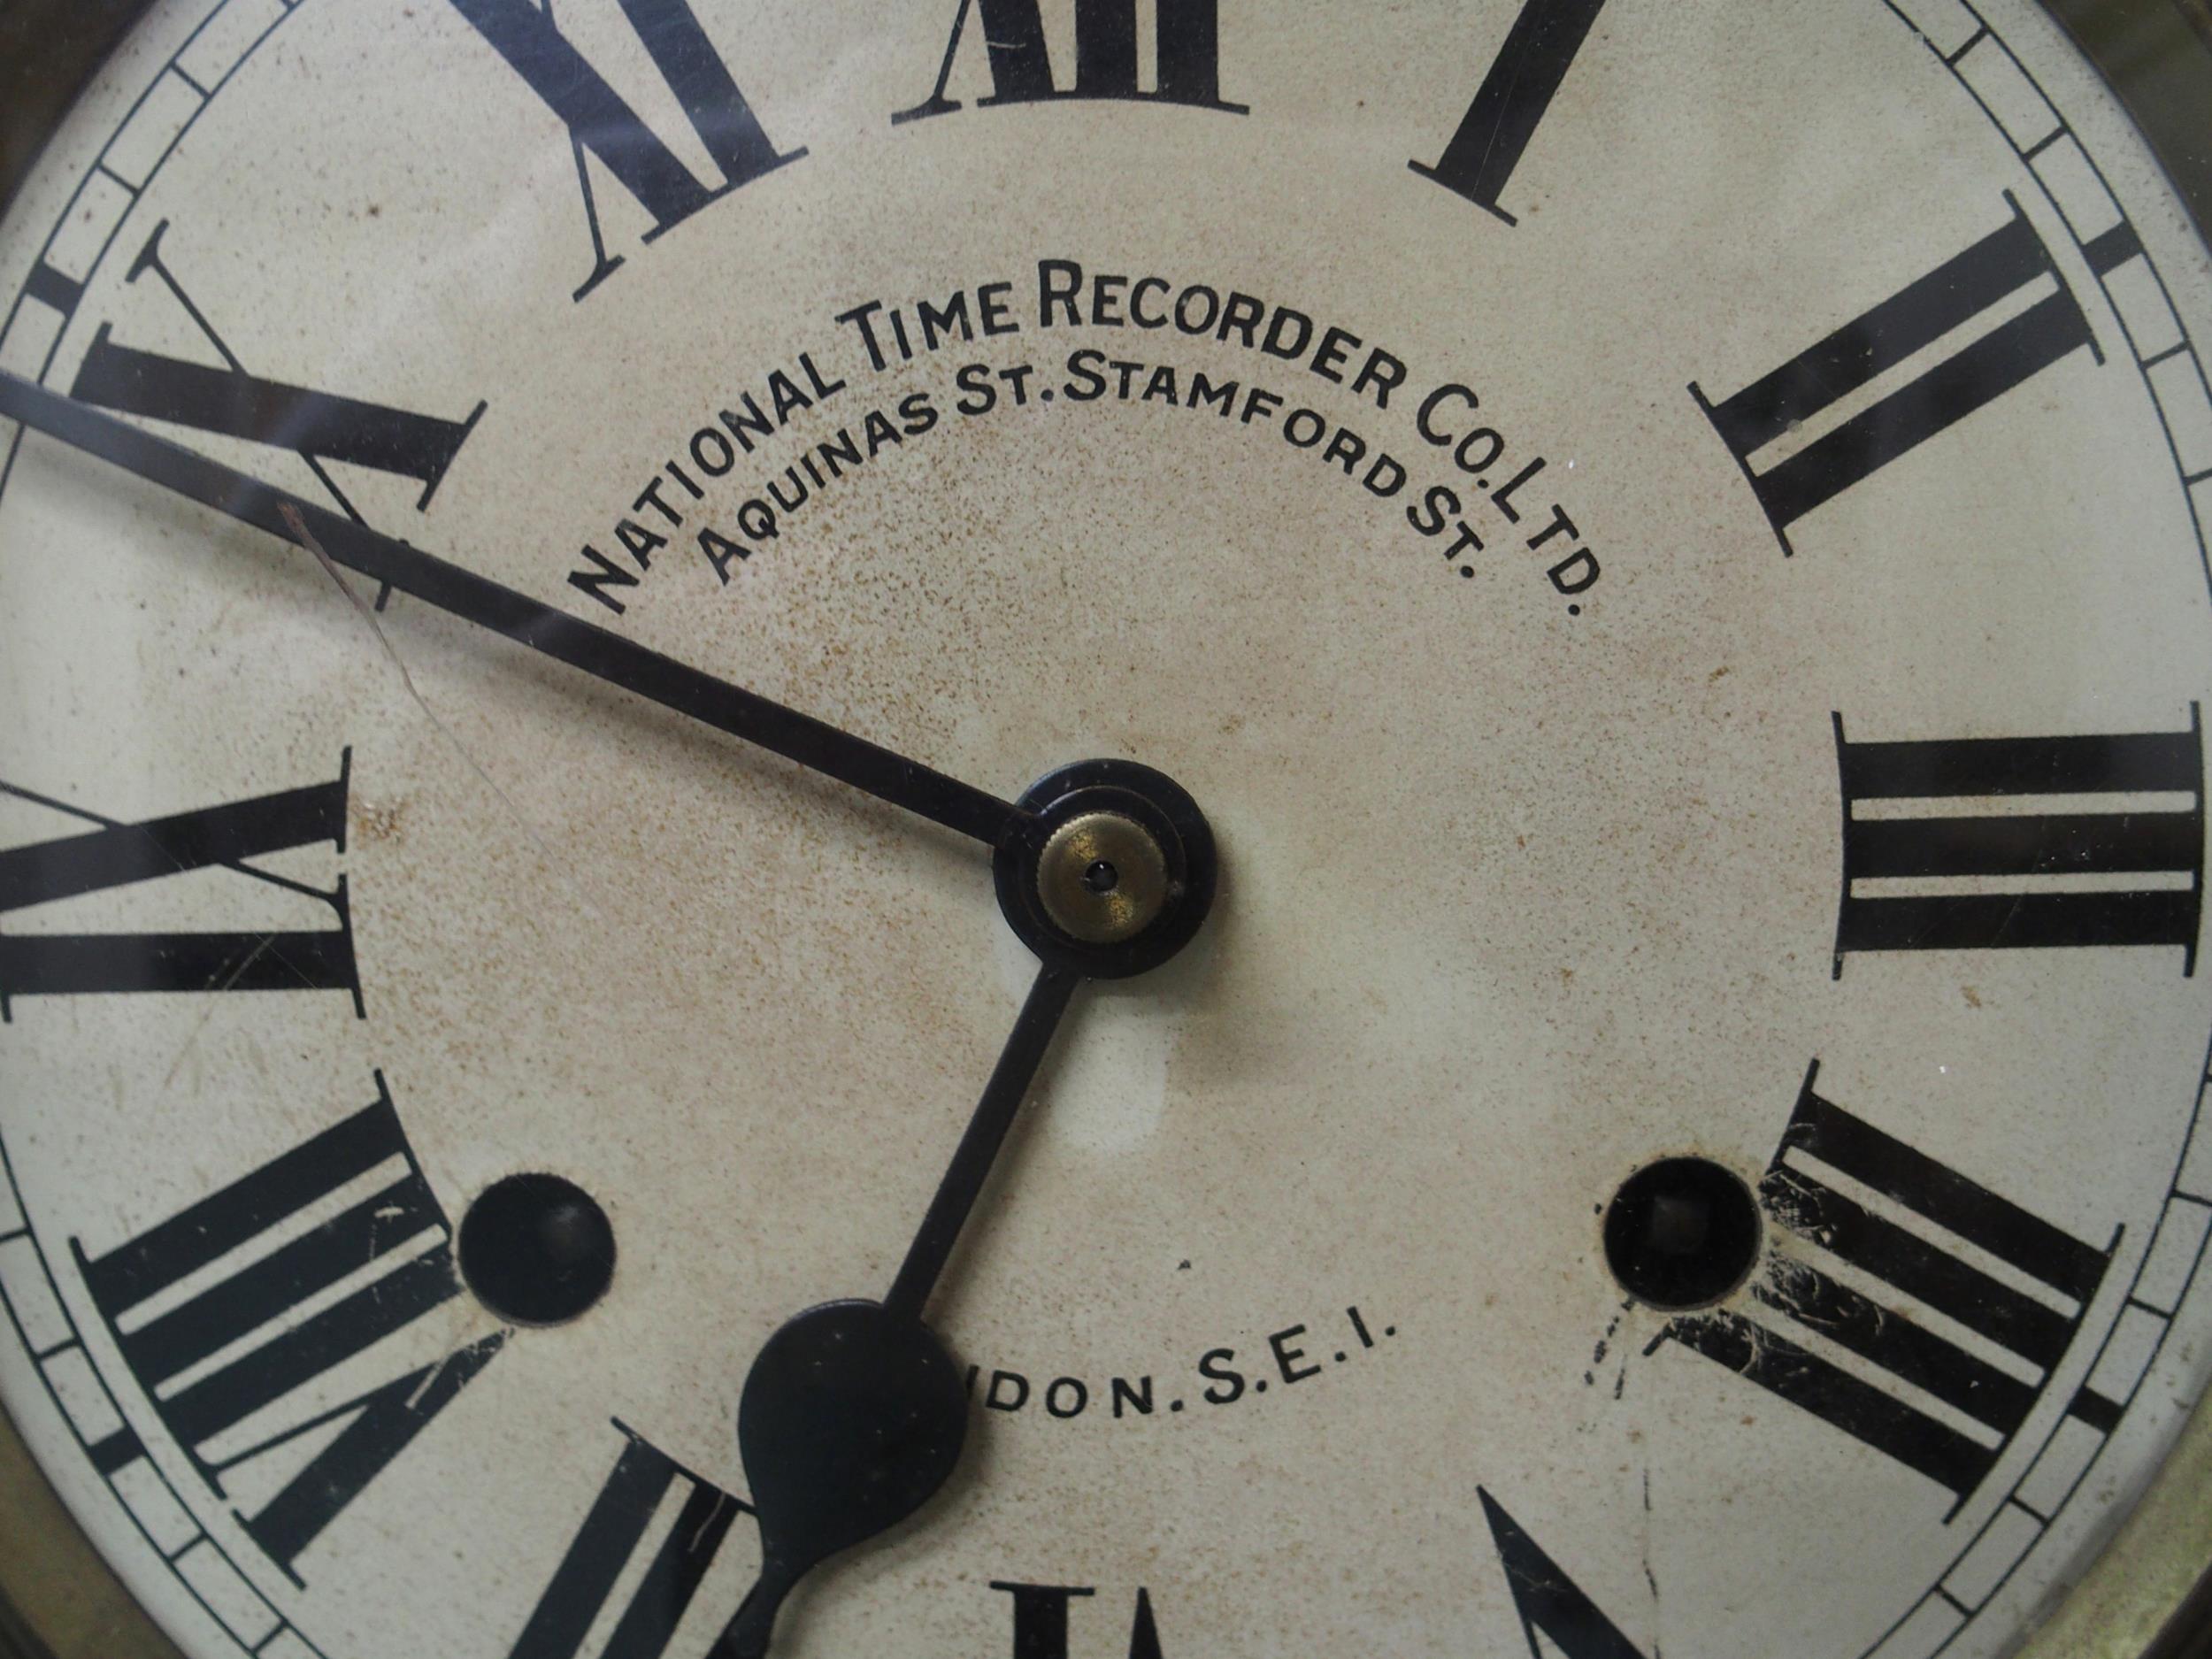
x=1662, y=543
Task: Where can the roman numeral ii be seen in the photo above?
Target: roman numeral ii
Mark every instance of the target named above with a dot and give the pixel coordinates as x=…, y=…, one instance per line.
x=1906, y=1364
x=2008, y=274
x=1991, y=880
x=269, y=1315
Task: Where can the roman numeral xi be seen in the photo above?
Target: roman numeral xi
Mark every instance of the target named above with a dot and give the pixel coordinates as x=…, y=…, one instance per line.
x=112, y=853
x=601, y=121
x=1989, y=871
x=294, y=1270
x=1995, y=316
x=1903, y=1365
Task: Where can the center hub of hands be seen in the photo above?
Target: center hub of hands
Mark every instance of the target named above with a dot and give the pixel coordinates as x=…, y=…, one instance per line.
x=1110, y=873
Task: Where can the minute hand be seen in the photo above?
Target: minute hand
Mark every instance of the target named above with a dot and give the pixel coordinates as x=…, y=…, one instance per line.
x=584, y=645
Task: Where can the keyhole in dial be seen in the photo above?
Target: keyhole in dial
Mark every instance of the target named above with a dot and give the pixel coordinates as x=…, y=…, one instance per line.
x=1682, y=1233
x=537, y=1249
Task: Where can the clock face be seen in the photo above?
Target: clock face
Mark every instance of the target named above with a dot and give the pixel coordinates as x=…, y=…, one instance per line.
x=1610, y=600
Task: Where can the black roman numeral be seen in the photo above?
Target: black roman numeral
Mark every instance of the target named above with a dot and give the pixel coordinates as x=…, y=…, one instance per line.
x=1040, y=1621
x=319, y=426
x=115, y=855
x=1548, y=1600
x=1513, y=98
x=1998, y=274
x=1187, y=42
x=599, y=119
x=215, y=1356
x=1988, y=881
x=1927, y=1266
x=620, y=1518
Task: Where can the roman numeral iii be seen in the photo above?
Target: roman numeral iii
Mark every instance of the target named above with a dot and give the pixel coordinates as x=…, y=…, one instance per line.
x=601, y=121
x=325, y=1252
x=1547, y=1601
x=1987, y=871
x=2008, y=274
x=1911, y=1245
x=114, y=854
x=645, y=1483
x=1187, y=67
x=1513, y=98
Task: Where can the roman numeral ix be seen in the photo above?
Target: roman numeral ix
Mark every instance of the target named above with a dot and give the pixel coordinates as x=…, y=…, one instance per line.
x=1989, y=870
x=114, y=854
x=293, y=1269
x=1998, y=313
x=1901, y=1219
x=1514, y=97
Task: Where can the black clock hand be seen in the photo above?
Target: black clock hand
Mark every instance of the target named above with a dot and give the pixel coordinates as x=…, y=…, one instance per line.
x=583, y=645
x=853, y=1413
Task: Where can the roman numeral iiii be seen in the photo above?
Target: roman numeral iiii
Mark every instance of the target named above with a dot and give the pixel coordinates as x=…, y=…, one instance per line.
x=1513, y=98
x=1910, y=1244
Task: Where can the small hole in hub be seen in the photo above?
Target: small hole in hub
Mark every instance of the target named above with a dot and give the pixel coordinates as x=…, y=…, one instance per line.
x=537, y=1249
x=1682, y=1233
x=1101, y=877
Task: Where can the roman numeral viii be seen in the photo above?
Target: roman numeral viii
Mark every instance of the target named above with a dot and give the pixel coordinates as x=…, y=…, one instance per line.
x=1991, y=868
x=1995, y=316
x=1546, y=1600
x=647, y=1495
x=601, y=121
x=1186, y=69
x=112, y=853
x=1944, y=1407
x=1514, y=97
x=258, y=1293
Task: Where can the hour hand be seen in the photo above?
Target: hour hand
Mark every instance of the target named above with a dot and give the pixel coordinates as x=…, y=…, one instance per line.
x=583, y=645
